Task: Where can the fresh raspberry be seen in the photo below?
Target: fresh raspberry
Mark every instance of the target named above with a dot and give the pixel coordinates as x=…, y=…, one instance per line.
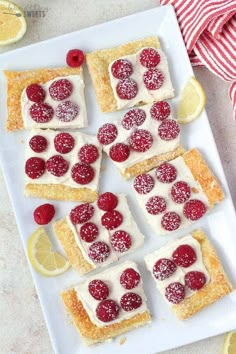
x=64, y=143
x=184, y=256
x=82, y=174
x=88, y=154
x=160, y=110
x=127, y=89
x=153, y=79
x=130, y=301
x=112, y=219
x=129, y=279
x=194, y=209
x=89, y=232
x=144, y=183
x=41, y=112
x=149, y=58
x=98, y=289
x=75, y=58
x=166, y=173
x=107, y=310
x=156, y=205
x=57, y=165
x=38, y=143
x=34, y=167
x=81, y=213
x=134, y=117
x=163, y=269
x=170, y=221
x=122, y=69
x=107, y=133
x=107, y=201
x=195, y=280
x=141, y=140
x=168, y=129
x=180, y=192
x=121, y=241
x=175, y=293
x=99, y=252
x=35, y=93
x=67, y=111
x=119, y=152
x=43, y=214
x=60, y=89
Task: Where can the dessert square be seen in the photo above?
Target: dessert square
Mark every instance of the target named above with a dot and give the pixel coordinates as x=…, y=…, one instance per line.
x=97, y=234
x=62, y=165
x=108, y=304
x=189, y=274
x=46, y=98
x=177, y=193
x=142, y=139
x=131, y=74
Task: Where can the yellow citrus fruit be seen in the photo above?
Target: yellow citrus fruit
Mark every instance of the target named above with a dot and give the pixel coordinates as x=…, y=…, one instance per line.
x=229, y=346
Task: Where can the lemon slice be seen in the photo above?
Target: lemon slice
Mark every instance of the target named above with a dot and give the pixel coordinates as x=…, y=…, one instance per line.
x=192, y=101
x=12, y=23
x=229, y=346
x=42, y=258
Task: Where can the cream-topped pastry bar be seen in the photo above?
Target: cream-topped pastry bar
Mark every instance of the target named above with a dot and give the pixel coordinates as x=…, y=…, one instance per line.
x=189, y=274
x=108, y=304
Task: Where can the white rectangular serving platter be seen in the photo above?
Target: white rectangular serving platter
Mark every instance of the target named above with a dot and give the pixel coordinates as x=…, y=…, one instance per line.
x=165, y=331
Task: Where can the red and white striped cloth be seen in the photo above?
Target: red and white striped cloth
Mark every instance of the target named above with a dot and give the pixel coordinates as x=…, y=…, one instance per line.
x=209, y=31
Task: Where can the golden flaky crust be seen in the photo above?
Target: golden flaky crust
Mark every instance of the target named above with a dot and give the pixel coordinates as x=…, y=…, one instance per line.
x=73, y=252
x=201, y=172
x=98, y=63
x=92, y=334
x=218, y=286
x=17, y=81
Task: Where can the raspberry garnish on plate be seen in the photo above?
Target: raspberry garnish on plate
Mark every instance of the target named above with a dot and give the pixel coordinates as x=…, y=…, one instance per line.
x=107, y=310
x=81, y=213
x=41, y=112
x=144, y=183
x=129, y=279
x=38, y=143
x=98, y=289
x=134, y=117
x=35, y=93
x=57, y=165
x=67, y=111
x=160, y=110
x=156, y=205
x=75, y=58
x=122, y=69
x=82, y=174
x=153, y=79
x=175, y=293
x=163, y=269
x=166, y=173
x=60, y=89
x=64, y=143
x=35, y=167
x=89, y=232
x=119, y=152
x=184, y=256
x=107, y=133
x=88, y=154
x=127, y=89
x=130, y=301
x=170, y=221
x=141, y=140
x=107, y=201
x=44, y=213
x=168, y=129
x=195, y=280
x=112, y=219
x=99, y=251
x=121, y=241
x=149, y=58
x=180, y=192
x=194, y=209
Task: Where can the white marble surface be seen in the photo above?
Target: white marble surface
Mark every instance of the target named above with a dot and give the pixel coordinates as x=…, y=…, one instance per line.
x=22, y=327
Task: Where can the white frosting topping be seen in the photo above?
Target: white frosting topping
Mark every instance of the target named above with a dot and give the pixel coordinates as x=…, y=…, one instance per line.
x=144, y=95
x=76, y=97
x=112, y=278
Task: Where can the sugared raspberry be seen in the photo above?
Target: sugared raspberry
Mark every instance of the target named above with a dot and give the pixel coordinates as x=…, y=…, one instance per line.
x=153, y=79
x=141, y=140
x=34, y=167
x=170, y=221
x=163, y=269
x=60, y=89
x=89, y=232
x=107, y=133
x=166, y=173
x=57, y=165
x=160, y=110
x=144, y=183
x=195, y=280
x=38, y=143
x=67, y=111
x=129, y=279
x=41, y=112
x=127, y=89
x=44, y=213
x=75, y=58
x=180, y=192
x=119, y=152
x=168, y=129
x=98, y=289
x=107, y=201
x=121, y=241
x=156, y=205
x=81, y=213
x=184, y=256
x=194, y=209
x=82, y=174
x=134, y=117
x=107, y=310
x=112, y=219
x=64, y=143
x=35, y=93
x=130, y=301
x=149, y=58
x=175, y=293
x=122, y=69
x=99, y=252
x=88, y=154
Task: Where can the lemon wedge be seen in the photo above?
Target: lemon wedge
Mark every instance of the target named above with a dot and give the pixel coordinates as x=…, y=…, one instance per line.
x=229, y=346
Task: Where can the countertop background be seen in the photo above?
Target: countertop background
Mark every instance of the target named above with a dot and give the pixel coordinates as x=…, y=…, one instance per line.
x=22, y=327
